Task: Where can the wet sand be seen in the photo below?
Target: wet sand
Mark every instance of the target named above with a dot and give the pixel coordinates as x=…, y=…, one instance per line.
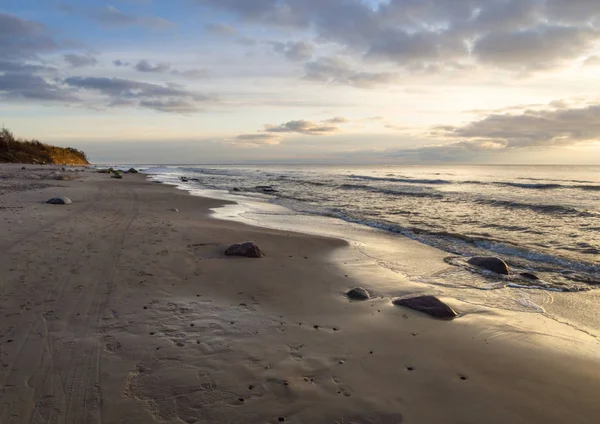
x=117, y=309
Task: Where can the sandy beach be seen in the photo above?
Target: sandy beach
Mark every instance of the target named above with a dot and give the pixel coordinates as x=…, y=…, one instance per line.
x=119, y=309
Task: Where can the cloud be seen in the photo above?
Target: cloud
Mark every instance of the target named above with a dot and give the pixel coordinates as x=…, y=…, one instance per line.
x=559, y=125
x=307, y=127
x=192, y=73
x=120, y=92
x=246, y=41
x=21, y=38
x=24, y=67
x=144, y=66
x=337, y=120
x=301, y=127
x=272, y=134
x=111, y=16
x=592, y=61
x=171, y=105
x=120, y=63
x=22, y=86
x=333, y=70
x=220, y=29
x=163, y=67
x=539, y=48
x=256, y=139
x=296, y=51
x=434, y=34
x=80, y=60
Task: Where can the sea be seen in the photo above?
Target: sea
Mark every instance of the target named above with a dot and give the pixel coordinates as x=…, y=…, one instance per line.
x=544, y=221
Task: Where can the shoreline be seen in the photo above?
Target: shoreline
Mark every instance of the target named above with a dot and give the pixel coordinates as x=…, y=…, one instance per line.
x=427, y=264
x=113, y=284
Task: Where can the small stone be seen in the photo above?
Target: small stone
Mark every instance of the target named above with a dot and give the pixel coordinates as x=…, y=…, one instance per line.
x=430, y=305
x=358, y=293
x=529, y=276
x=281, y=419
x=316, y=327
x=490, y=263
x=251, y=387
x=60, y=200
x=248, y=249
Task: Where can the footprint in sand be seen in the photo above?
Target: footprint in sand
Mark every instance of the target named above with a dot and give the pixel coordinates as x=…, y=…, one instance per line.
x=295, y=352
x=342, y=389
x=111, y=344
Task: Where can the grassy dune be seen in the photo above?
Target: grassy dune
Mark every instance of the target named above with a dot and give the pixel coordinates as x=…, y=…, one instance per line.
x=16, y=150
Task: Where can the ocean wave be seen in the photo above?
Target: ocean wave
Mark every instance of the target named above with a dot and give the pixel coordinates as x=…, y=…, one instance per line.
x=400, y=180
x=530, y=186
x=392, y=192
x=540, y=208
x=457, y=243
x=536, y=186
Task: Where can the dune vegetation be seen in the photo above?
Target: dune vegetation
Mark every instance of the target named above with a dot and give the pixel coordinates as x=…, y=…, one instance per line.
x=17, y=150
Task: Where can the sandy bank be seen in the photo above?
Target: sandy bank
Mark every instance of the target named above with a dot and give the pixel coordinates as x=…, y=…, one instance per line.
x=117, y=309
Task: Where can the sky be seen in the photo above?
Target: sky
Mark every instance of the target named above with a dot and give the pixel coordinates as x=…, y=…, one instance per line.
x=305, y=81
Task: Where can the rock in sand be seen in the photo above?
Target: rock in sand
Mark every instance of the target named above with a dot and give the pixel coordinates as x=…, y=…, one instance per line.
x=490, y=263
x=248, y=249
x=60, y=200
x=529, y=276
x=358, y=293
x=427, y=304
x=132, y=171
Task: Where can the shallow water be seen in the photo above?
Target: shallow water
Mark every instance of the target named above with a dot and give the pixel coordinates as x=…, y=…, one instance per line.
x=542, y=219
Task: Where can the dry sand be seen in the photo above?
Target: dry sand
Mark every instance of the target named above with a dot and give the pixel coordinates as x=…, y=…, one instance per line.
x=116, y=309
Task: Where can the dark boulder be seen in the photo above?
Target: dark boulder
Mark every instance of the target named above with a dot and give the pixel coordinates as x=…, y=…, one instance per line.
x=117, y=176
x=490, y=263
x=60, y=200
x=184, y=179
x=529, y=276
x=235, y=189
x=248, y=249
x=358, y=293
x=430, y=305
x=132, y=171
